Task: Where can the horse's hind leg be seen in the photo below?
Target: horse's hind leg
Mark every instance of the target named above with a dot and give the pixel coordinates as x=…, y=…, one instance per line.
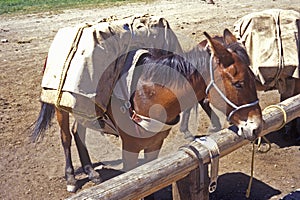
x=66, y=138
x=79, y=133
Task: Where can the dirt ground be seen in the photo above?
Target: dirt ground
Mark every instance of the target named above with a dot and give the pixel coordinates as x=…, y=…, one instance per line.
x=36, y=171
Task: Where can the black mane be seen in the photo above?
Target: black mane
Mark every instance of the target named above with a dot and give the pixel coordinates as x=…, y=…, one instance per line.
x=239, y=49
x=172, y=68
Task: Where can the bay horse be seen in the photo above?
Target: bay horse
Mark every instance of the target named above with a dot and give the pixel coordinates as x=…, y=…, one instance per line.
x=163, y=87
x=293, y=88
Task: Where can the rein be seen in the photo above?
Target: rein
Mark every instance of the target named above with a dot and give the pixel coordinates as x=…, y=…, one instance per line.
x=223, y=96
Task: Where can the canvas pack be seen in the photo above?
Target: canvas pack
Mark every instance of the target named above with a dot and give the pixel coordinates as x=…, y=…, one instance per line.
x=271, y=38
x=85, y=61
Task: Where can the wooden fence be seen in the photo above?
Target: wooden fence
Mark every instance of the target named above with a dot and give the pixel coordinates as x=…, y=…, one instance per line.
x=181, y=168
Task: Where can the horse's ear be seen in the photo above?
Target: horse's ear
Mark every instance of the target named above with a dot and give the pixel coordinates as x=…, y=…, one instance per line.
x=229, y=38
x=220, y=51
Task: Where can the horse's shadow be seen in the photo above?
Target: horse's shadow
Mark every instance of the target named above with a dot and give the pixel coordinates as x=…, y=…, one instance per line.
x=106, y=173
x=282, y=140
x=103, y=168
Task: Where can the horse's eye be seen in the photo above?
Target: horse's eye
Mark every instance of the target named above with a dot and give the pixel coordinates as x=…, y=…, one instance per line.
x=238, y=84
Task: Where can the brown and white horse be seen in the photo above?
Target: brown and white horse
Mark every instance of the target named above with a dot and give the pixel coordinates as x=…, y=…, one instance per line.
x=165, y=86
x=293, y=88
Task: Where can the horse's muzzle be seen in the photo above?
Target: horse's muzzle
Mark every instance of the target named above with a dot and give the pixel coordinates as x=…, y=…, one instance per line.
x=251, y=128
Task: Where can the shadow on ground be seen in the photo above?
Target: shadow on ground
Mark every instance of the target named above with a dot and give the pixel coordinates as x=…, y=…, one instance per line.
x=231, y=186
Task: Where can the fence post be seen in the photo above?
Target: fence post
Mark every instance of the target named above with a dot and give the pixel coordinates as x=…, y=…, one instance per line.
x=189, y=187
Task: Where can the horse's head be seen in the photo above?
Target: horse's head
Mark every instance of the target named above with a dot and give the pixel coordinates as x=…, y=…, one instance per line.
x=232, y=84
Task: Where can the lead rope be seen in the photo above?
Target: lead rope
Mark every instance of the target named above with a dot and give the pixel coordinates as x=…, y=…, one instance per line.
x=252, y=161
x=281, y=126
x=259, y=149
x=283, y=112
x=252, y=169
x=259, y=144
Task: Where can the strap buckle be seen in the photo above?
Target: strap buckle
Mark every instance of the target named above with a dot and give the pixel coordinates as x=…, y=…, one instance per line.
x=125, y=107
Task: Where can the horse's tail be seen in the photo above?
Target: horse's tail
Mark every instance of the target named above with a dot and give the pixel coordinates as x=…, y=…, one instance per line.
x=43, y=121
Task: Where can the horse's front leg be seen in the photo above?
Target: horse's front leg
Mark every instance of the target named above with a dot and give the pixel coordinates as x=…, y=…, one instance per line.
x=66, y=138
x=152, y=152
x=184, y=124
x=79, y=133
x=130, y=153
x=214, y=119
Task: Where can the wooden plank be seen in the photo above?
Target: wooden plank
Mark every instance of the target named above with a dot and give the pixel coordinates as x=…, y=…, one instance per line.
x=150, y=177
x=190, y=187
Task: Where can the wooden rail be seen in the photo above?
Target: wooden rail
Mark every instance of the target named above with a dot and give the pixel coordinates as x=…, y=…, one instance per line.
x=173, y=168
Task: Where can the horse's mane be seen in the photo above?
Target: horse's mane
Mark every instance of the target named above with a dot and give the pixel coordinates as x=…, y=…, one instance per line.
x=239, y=49
x=173, y=69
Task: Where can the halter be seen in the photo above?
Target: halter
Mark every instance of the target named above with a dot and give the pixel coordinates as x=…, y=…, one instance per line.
x=213, y=84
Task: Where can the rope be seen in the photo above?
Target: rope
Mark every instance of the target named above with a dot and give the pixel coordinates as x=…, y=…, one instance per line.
x=283, y=112
x=252, y=169
x=67, y=63
x=259, y=144
x=252, y=159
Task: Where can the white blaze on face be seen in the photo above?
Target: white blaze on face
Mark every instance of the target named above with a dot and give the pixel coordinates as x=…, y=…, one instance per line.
x=250, y=128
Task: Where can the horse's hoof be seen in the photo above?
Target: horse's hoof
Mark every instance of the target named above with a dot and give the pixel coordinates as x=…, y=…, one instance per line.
x=188, y=135
x=95, y=177
x=96, y=180
x=213, y=129
x=71, y=188
x=189, y=138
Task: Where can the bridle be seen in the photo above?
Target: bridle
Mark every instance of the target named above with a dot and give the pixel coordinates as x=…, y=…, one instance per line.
x=213, y=84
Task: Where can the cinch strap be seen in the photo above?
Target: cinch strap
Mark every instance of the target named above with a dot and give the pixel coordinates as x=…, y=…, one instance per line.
x=214, y=154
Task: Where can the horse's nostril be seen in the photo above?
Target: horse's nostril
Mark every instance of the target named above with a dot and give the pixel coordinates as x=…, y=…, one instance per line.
x=254, y=131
